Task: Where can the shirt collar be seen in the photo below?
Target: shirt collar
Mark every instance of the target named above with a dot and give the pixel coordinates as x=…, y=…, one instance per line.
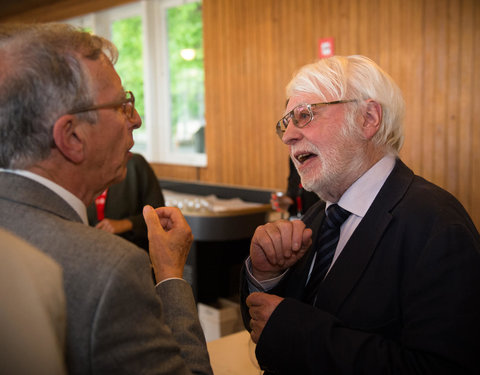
x=71, y=199
x=360, y=195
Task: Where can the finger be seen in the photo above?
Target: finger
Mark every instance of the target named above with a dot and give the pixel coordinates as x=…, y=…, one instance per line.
x=104, y=225
x=281, y=233
x=286, y=230
x=297, y=234
x=255, y=299
x=170, y=217
x=274, y=234
x=307, y=238
x=256, y=330
x=253, y=333
x=261, y=240
x=151, y=219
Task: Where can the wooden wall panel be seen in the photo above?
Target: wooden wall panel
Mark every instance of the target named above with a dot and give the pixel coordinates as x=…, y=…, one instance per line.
x=466, y=77
x=252, y=48
x=473, y=180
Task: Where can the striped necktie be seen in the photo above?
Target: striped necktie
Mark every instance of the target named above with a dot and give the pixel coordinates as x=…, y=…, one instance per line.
x=326, y=245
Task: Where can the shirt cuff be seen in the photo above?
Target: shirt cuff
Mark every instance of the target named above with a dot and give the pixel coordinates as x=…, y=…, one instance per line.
x=260, y=286
x=170, y=278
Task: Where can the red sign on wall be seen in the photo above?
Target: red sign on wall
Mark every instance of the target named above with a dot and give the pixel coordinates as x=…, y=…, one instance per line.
x=326, y=47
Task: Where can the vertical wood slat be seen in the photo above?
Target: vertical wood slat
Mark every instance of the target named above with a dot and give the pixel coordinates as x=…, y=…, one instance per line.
x=452, y=144
x=465, y=96
x=474, y=180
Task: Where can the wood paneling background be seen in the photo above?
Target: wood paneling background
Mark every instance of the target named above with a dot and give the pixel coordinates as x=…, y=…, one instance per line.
x=252, y=47
x=430, y=47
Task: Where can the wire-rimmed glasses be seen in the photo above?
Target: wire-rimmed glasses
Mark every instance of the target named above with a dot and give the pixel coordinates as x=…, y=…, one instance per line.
x=127, y=104
x=302, y=115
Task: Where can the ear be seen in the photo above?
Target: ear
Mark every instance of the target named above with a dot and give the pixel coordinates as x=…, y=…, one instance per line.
x=372, y=118
x=68, y=140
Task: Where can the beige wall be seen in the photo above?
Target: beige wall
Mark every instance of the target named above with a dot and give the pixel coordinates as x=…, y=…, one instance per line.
x=252, y=47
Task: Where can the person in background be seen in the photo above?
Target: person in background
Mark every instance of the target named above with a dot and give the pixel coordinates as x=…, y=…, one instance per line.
x=296, y=200
x=383, y=275
x=119, y=208
x=33, y=314
x=66, y=124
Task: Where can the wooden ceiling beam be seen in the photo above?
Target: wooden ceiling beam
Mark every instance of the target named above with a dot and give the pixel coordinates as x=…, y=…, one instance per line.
x=50, y=11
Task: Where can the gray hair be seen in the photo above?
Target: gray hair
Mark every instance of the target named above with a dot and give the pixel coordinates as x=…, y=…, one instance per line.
x=356, y=77
x=42, y=77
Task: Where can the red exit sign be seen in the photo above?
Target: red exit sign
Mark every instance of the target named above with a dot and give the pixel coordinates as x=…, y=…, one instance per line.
x=326, y=47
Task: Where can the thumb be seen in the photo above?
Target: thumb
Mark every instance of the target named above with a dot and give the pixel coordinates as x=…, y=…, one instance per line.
x=255, y=299
x=151, y=219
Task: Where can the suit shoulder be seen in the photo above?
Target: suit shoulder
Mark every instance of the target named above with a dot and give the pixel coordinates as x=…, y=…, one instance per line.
x=426, y=205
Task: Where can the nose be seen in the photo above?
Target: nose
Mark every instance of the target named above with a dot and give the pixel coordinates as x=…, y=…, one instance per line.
x=136, y=120
x=292, y=134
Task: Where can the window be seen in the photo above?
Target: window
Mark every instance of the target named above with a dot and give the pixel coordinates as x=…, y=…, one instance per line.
x=160, y=45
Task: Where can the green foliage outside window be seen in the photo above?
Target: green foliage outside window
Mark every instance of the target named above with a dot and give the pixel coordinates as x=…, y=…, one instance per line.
x=186, y=77
x=185, y=31
x=127, y=36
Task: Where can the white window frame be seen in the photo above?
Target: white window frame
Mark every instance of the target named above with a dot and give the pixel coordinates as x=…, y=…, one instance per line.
x=156, y=73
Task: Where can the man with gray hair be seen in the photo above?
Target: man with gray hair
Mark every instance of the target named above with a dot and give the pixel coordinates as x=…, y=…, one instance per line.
x=383, y=277
x=66, y=128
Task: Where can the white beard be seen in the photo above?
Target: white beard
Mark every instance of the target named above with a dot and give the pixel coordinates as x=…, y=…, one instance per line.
x=339, y=167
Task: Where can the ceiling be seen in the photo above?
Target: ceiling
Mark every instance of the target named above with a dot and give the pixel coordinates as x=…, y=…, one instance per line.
x=11, y=7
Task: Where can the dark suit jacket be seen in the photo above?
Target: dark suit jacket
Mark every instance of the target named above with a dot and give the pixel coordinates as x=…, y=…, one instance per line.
x=126, y=199
x=402, y=298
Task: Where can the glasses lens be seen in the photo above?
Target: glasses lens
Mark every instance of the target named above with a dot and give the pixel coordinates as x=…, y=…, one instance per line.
x=129, y=106
x=302, y=115
x=280, y=128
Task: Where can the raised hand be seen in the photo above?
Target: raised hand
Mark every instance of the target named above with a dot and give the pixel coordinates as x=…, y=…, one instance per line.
x=169, y=238
x=277, y=246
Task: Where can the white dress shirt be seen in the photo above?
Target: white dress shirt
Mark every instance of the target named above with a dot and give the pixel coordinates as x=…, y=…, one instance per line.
x=357, y=199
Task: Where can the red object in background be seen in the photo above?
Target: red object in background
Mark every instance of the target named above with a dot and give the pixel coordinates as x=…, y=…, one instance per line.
x=100, y=204
x=299, y=200
x=326, y=47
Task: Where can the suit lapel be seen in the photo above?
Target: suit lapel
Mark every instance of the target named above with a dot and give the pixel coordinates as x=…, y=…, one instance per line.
x=299, y=273
x=353, y=260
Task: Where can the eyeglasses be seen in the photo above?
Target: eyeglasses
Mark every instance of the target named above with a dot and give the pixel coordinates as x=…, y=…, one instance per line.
x=302, y=115
x=127, y=104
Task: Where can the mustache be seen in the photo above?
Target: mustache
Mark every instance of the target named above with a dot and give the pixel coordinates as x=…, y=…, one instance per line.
x=306, y=148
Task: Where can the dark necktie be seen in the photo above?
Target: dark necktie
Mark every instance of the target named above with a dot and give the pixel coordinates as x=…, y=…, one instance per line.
x=326, y=245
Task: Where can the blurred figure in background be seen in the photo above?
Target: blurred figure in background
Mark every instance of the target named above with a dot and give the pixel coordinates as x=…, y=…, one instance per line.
x=296, y=200
x=119, y=208
x=33, y=314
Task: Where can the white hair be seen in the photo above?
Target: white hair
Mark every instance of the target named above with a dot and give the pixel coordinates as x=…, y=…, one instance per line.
x=356, y=77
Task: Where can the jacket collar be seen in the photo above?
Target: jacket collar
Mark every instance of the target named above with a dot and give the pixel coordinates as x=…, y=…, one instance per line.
x=362, y=244
x=26, y=191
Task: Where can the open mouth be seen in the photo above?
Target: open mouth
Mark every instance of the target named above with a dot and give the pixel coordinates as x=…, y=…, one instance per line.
x=303, y=157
